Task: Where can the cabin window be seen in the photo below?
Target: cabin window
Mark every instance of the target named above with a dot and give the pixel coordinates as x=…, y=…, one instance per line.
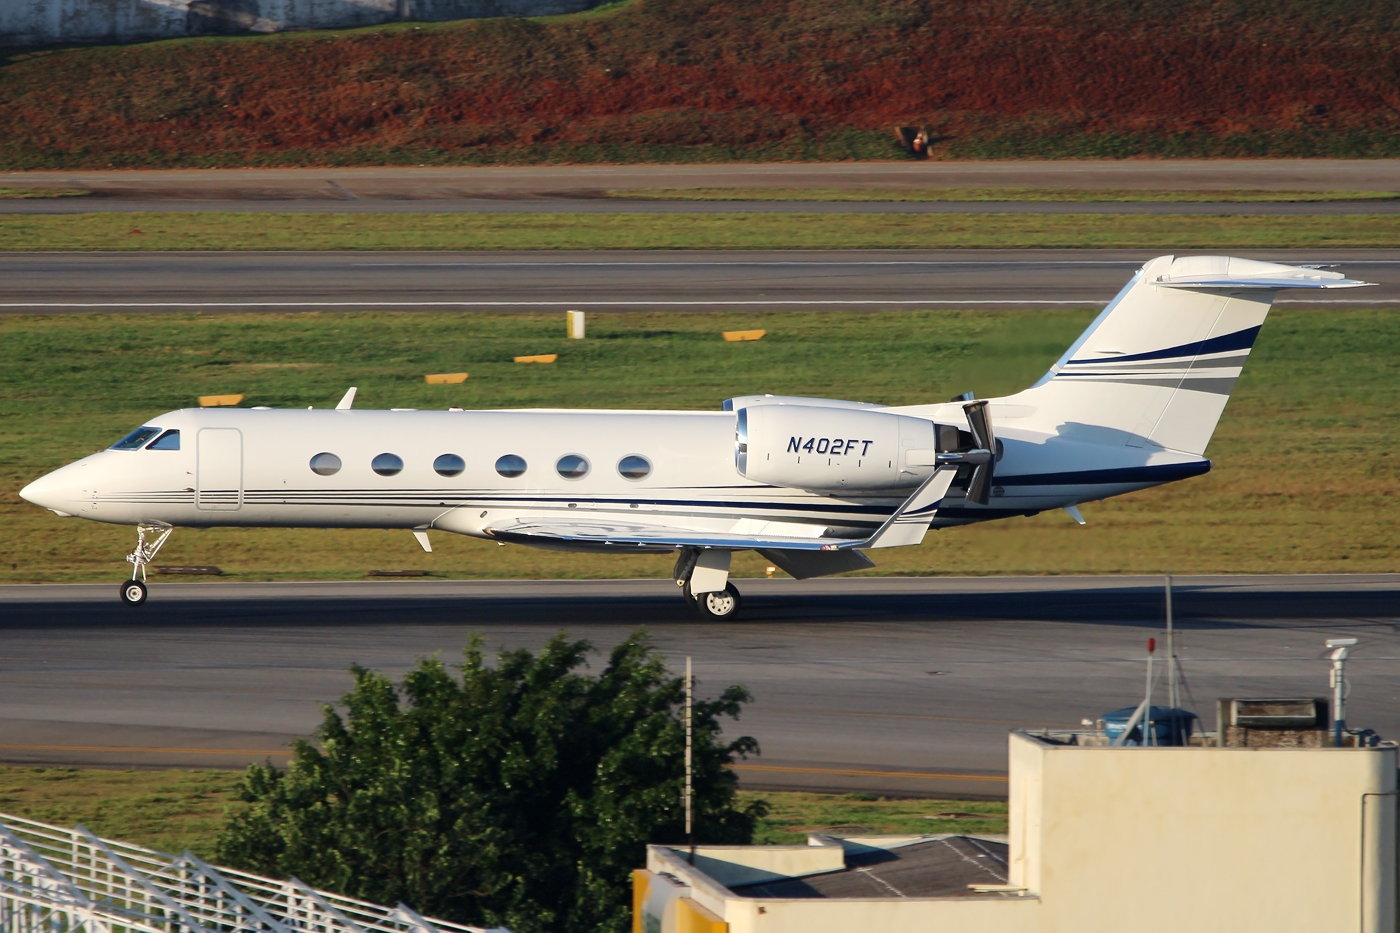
x=170, y=440
x=510, y=466
x=572, y=466
x=449, y=465
x=387, y=464
x=634, y=467
x=324, y=464
x=136, y=438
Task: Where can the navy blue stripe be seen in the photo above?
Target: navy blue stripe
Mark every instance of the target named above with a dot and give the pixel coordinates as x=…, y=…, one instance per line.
x=1162, y=473
x=330, y=497
x=982, y=513
x=1239, y=340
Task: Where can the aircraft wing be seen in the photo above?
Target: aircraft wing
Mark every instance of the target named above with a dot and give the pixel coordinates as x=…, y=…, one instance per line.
x=905, y=526
x=584, y=533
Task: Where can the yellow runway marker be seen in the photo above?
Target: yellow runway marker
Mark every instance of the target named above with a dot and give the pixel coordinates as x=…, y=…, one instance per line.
x=539, y=358
x=445, y=379
x=218, y=401
x=735, y=336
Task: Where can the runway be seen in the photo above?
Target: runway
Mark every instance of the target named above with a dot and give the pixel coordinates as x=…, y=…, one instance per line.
x=605, y=205
x=892, y=685
x=612, y=280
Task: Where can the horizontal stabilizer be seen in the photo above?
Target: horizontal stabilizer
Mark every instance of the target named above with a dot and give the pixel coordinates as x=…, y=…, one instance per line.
x=1212, y=272
x=1212, y=282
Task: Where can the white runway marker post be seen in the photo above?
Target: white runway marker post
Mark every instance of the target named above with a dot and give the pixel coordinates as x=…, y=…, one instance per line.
x=574, y=320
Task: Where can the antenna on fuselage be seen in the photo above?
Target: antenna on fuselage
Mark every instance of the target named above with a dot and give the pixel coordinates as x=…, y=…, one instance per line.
x=345, y=403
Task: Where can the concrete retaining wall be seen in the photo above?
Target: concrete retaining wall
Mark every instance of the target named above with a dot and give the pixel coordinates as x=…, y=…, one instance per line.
x=45, y=22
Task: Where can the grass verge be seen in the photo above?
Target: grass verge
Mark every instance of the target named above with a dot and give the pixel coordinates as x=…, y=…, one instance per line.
x=1319, y=387
x=167, y=810
x=263, y=231
x=31, y=193
x=792, y=815
x=177, y=810
x=1038, y=195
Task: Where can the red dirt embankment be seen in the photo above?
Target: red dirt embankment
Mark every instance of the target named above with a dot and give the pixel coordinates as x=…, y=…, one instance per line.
x=698, y=79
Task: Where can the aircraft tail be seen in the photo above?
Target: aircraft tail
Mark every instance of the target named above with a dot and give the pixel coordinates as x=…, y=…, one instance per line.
x=1159, y=363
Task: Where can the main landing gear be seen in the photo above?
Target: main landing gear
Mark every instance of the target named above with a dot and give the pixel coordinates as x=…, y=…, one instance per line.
x=133, y=591
x=707, y=571
x=718, y=606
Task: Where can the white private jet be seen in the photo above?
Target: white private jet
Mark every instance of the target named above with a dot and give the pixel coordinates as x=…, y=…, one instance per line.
x=811, y=484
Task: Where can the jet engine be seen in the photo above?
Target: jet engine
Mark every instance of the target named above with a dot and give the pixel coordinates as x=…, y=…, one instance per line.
x=832, y=450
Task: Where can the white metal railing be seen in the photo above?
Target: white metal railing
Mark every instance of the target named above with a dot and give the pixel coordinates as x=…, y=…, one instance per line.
x=57, y=880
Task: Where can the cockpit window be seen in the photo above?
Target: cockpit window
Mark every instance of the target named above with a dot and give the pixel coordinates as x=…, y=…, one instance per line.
x=136, y=438
x=170, y=440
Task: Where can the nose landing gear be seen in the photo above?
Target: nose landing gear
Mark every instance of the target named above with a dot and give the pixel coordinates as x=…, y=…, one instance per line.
x=133, y=591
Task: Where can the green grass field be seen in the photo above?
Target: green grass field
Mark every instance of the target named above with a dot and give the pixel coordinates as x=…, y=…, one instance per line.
x=1079, y=195
x=178, y=810
x=22, y=193
x=279, y=231
x=1305, y=475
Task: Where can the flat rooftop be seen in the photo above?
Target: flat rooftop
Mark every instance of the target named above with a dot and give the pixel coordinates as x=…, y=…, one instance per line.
x=938, y=867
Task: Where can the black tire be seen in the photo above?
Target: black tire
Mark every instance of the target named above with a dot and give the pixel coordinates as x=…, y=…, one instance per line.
x=720, y=606
x=689, y=596
x=133, y=592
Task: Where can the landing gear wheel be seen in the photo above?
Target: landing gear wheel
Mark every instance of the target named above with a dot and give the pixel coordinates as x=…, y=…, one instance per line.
x=689, y=596
x=133, y=592
x=719, y=606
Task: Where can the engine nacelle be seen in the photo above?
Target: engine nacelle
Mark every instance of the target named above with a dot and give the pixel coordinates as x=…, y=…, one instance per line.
x=832, y=450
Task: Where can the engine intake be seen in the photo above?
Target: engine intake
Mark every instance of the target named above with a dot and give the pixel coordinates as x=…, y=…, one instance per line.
x=832, y=450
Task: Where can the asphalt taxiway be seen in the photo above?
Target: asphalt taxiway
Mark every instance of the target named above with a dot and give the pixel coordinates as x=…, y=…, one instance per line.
x=700, y=280
x=891, y=685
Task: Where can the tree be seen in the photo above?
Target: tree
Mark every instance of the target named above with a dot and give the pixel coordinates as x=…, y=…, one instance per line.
x=518, y=795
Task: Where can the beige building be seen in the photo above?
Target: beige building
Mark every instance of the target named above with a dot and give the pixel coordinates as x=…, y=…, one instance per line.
x=1101, y=839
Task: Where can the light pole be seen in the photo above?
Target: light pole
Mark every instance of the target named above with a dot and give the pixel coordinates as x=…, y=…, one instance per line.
x=1341, y=647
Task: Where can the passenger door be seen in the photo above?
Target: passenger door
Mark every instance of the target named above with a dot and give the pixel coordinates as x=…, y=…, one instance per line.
x=219, y=476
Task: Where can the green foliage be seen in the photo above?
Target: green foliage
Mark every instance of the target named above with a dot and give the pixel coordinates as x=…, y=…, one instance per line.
x=520, y=795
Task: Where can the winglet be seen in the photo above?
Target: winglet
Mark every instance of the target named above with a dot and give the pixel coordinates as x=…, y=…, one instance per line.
x=910, y=521
x=348, y=400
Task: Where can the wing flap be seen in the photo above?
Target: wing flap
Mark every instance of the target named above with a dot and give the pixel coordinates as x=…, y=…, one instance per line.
x=807, y=564
x=605, y=535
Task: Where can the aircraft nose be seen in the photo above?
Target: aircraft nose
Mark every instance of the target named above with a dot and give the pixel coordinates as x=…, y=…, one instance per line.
x=51, y=492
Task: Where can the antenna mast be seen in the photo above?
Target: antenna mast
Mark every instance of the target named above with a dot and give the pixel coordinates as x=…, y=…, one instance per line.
x=1173, y=697
x=689, y=796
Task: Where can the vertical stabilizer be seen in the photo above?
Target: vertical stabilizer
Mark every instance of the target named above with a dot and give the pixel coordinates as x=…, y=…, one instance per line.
x=1158, y=365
